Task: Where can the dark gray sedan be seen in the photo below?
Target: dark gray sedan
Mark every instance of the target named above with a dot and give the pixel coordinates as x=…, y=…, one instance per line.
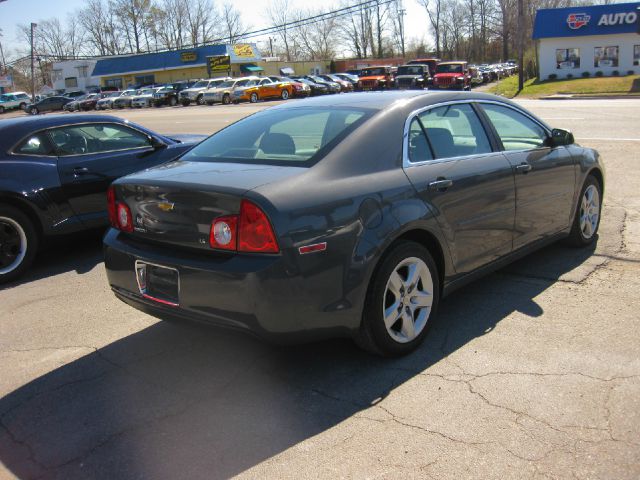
x=350, y=215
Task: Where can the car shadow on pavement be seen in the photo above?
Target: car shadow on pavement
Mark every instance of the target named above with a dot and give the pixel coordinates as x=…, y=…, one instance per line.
x=178, y=400
x=80, y=252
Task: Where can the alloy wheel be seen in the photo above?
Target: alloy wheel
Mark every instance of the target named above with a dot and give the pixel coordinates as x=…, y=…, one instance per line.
x=589, y=211
x=13, y=245
x=407, y=300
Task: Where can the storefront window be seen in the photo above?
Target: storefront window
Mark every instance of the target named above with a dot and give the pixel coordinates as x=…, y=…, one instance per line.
x=113, y=82
x=71, y=82
x=636, y=55
x=605, y=57
x=567, y=58
x=145, y=80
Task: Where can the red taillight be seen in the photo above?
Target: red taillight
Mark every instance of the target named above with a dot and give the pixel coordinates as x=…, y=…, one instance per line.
x=124, y=219
x=254, y=231
x=224, y=233
x=111, y=207
x=249, y=232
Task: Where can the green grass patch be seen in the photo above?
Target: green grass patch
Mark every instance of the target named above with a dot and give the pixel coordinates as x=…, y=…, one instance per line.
x=629, y=84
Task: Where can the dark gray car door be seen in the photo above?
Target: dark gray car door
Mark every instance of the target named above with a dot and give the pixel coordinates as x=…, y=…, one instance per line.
x=545, y=176
x=469, y=186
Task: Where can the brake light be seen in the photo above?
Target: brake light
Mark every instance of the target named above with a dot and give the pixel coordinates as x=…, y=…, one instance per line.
x=224, y=233
x=111, y=207
x=249, y=232
x=254, y=231
x=124, y=218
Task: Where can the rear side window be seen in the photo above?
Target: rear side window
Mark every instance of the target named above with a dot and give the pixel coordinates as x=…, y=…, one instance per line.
x=419, y=150
x=455, y=131
x=516, y=131
x=37, y=144
x=289, y=136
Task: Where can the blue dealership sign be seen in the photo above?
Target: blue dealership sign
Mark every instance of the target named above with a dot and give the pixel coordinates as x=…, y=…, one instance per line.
x=583, y=21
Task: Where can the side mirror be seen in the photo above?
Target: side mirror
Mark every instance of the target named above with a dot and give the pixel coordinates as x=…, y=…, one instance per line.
x=560, y=137
x=156, y=143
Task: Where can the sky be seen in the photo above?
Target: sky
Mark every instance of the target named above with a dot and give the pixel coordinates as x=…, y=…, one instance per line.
x=14, y=12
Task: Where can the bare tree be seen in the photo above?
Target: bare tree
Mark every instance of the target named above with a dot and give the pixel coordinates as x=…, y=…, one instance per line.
x=355, y=29
x=233, y=29
x=281, y=14
x=134, y=17
x=200, y=15
x=317, y=41
x=434, y=9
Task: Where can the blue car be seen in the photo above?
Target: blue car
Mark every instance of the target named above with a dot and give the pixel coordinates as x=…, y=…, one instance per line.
x=54, y=175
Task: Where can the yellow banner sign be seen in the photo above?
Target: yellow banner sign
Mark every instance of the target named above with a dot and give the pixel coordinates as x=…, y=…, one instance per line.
x=221, y=62
x=243, y=50
x=188, y=56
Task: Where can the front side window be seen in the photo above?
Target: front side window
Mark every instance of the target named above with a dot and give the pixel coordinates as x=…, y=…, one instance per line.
x=97, y=138
x=567, y=58
x=297, y=136
x=516, y=131
x=455, y=131
x=605, y=56
x=37, y=144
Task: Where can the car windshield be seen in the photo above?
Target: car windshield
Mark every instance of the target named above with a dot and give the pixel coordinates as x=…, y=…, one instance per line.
x=145, y=91
x=370, y=72
x=114, y=94
x=449, y=68
x=410, y=70
x=227, y=84
x=200, y=84
x=246, y=83
x=298, y=136
x=165, y=90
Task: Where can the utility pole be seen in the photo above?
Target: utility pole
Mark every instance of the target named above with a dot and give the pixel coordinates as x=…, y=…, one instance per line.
x=401, y=13
x=33, y=68
x=520, y=46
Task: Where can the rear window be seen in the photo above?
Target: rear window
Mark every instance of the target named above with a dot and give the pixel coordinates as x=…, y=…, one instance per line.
x=299, y=136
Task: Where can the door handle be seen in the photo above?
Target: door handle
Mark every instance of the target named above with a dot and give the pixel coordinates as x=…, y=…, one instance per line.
x=440, y=185
x=78, y=171
x=523, y=168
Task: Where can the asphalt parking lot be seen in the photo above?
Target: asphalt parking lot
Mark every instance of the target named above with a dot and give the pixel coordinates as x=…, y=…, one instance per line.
x=532, y=372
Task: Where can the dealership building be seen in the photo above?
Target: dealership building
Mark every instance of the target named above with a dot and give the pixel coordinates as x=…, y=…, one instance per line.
x=602, y=38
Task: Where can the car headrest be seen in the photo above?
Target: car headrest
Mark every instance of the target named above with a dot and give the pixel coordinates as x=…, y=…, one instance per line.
x=278, y=143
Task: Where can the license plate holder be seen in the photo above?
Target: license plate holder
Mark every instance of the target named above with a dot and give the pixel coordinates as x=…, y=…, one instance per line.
x=158, y=283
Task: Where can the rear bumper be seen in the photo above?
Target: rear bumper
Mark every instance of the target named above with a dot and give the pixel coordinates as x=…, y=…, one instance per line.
x=260, y=294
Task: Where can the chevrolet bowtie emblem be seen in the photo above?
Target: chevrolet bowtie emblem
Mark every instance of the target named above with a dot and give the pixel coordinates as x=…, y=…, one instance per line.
x=166, y=206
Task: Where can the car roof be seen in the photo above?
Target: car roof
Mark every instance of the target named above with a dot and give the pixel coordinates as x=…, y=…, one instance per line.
x=12, y=129
x=408, y=99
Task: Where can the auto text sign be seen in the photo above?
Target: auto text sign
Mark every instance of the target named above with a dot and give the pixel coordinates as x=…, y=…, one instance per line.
x=219, y=63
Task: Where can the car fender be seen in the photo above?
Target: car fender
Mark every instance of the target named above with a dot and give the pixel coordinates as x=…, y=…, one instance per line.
x=588, y=162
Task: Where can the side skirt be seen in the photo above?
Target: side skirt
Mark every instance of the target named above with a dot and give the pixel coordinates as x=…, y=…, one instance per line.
x=454, y=285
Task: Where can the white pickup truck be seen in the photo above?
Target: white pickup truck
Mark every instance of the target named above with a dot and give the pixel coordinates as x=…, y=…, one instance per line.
x=9, y=101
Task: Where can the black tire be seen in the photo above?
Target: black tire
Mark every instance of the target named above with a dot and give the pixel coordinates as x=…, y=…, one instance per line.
x=226, y=99
x=200, y=100
x=284, y=95
x=22, y=105
x=172, y=101
x=577, y=237
x=253, y=98
x=14, y=221
x=1, y=110
x=373, y=335
x=34, y=111
x=185, y=103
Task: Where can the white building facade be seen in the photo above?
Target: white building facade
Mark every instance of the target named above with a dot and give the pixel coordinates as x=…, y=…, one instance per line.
x=602, y=40
x=73, y=75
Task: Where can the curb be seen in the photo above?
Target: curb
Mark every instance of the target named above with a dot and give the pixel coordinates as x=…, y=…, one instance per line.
x=591, y=97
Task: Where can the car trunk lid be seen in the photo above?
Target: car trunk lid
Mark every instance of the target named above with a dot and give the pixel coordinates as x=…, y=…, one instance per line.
x=176, y=203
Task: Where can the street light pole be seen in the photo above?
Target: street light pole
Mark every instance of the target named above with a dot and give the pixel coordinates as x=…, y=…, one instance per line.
x=33, y=68
x=520, y=45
